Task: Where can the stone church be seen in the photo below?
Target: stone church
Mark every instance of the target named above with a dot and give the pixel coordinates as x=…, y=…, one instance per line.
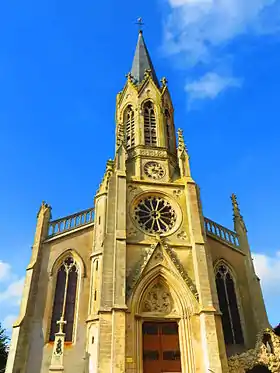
x=143, y=282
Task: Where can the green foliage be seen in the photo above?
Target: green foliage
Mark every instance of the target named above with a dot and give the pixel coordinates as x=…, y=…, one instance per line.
x=4, y=340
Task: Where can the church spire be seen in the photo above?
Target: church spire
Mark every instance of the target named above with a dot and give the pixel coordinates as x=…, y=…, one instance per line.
x=142, y=63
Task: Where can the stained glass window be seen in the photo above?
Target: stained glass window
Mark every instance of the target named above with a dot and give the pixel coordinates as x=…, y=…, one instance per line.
x=228, y=306
x=65, y=298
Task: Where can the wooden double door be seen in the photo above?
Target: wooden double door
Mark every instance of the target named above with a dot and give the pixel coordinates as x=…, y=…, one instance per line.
x=161, y=350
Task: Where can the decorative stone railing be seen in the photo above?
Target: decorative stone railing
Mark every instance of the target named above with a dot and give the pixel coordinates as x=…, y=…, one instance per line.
x=71, y=222
x=218, y=231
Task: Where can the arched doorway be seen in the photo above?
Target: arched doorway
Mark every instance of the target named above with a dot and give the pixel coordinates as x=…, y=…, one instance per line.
x=259, y=369
x=161, y=328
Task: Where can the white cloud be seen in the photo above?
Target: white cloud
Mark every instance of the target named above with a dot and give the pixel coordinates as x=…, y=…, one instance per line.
x=5, y=271
x=11, y=287
x=199, y=31
x=13, y=292
x=8, y=321
x=198, y=26
x=268, y=269
x=210, y=86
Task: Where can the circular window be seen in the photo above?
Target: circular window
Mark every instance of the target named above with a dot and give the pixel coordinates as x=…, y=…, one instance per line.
x=154, y=170
x=155, y=214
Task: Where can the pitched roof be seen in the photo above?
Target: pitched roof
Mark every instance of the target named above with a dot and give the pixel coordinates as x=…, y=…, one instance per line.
x=142, y=61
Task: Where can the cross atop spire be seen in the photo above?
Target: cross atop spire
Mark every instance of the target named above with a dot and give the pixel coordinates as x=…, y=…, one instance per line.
x=142, y=62
x=140, y=23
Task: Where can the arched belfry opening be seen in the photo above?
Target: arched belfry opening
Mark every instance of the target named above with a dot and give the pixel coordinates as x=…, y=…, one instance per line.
x=129, y=127
x=150, y=130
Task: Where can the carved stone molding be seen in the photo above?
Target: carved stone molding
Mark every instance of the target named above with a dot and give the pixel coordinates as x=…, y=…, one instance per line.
x=131, y=232
x=152, y=153
x=132, y=190
x=158, y=249
x=182, y=271
x=158, y=299
x=182, y=236
x=266, y=352
x=136, y=271
x=158, y=256
x=177, y=192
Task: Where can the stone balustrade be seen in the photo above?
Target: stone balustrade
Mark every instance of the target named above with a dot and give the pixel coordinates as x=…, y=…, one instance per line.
x=71, y=222
x=218, y=231
x=85, y=217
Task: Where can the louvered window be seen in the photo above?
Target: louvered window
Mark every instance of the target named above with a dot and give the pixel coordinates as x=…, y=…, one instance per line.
x=65, y=299
x=228, y=306
x=168, y=130
x=129, y=127
x=150, y=132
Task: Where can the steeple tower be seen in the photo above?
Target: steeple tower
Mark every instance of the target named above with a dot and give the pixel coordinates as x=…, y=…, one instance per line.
x=145, y=123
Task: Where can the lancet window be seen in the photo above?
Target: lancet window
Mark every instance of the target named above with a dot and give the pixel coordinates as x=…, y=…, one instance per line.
x=228, y=306
x=129, y=121
x=65, y=298
x=150, y=131
x=168, y=129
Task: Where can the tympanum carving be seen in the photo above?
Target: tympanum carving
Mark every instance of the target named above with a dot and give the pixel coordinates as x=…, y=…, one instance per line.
x=158, y=299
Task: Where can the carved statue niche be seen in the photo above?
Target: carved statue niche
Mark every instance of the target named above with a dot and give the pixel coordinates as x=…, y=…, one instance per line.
x=158, y=299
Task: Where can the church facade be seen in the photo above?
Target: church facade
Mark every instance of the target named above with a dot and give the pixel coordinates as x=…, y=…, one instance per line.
x=143, y=282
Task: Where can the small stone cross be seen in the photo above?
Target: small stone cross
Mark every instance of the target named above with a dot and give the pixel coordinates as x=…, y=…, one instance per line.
x=61, y=323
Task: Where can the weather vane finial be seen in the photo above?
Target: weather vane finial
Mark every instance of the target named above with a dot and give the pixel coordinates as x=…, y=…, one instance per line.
x=140, y=23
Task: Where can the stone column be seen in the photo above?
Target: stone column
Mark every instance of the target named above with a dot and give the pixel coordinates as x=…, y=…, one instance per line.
x=17, y=358
x=213, y=352
x=58, y=349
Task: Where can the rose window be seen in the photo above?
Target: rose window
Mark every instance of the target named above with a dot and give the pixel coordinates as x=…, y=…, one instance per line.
x=154, y=170
x=155, y=215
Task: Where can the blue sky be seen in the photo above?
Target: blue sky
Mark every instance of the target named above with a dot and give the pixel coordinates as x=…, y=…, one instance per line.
x=62, y=64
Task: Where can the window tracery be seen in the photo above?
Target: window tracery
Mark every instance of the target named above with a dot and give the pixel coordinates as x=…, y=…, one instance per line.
x=150, y=133
x=155, y=214
x=228, y=305
x=129, y=127
x=65, y=298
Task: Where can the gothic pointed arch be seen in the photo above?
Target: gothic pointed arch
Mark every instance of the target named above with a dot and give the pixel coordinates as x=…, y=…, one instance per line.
x=150, y=124
x=228, y=302
x=129, y=126
x=160, y=297
x=162, y=280
x=66, y=273
x=60, y=258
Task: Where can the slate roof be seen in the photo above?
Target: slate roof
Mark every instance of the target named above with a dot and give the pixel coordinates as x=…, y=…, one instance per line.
x=142, y=62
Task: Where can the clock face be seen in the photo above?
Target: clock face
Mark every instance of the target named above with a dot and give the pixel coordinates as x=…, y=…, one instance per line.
x=154, y=170
x=154, y=214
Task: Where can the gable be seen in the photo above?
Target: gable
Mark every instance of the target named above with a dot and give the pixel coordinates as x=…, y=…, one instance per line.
x=158, y=254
